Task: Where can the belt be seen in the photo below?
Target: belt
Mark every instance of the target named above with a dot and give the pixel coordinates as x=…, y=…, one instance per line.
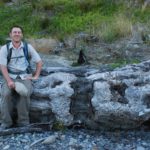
x=17, y=73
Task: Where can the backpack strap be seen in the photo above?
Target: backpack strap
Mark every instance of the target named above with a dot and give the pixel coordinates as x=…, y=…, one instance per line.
x=25, y=50
x=9, y=52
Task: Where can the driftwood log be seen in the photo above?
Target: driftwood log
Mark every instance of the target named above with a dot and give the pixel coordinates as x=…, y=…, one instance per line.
x=95, y=98
x=31, y=128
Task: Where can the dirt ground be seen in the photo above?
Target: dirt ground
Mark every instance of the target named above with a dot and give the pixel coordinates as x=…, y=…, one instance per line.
x=120, y=52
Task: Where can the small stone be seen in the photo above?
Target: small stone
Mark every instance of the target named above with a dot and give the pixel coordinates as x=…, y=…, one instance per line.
x=62, y=137
x=24, y=140
x=6, y=147
x=50, y=139
x=140, y=148
x=94, y=147
x=144, y=144
x=72, y=141
x=27, y=147
x=12, y=137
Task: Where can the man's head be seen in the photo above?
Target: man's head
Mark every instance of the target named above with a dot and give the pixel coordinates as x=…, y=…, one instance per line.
x=16, y=33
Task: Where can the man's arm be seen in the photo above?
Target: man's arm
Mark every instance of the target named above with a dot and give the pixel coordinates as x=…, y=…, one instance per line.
x=5, y=74
x=38, y=71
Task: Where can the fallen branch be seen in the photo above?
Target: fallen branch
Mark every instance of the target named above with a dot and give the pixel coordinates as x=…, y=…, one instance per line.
x=36, y=142
x=35, y=127
x=44, y=126
x=19, y=130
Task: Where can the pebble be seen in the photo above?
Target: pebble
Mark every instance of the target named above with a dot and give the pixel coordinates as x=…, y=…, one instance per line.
x=140, y=148
x=77, y=140
x=50, y=139
x=6, y=147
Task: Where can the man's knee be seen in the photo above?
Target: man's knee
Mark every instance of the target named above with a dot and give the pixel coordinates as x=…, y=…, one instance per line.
x=5, y=93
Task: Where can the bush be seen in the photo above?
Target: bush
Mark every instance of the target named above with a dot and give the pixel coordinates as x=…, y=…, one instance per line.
x=119, y=27
x=2, y=40
x=45, y=22
x=6, y=1
x=69, y=17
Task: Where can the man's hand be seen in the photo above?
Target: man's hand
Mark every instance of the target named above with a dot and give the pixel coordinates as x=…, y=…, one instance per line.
x=32, y=77
x=37, y=72
x=11, y=84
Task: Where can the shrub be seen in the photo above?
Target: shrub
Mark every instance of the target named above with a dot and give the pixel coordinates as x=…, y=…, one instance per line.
x=6, y=1
x=2, y=40
x=45, y=22
x=119, y=27
x=122, y=25
x=69, y=17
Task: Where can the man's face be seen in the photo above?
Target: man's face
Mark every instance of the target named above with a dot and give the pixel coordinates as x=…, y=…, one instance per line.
x=16, y=34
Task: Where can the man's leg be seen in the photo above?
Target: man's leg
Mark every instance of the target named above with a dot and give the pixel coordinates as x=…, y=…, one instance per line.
x=6, y=106
x=23, y=104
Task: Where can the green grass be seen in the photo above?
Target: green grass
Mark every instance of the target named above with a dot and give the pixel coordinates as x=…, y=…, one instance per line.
x=106, y=19
x=113, y=29
x=59, y=126
x=21, y=16
x=120, y=63
x=140, y=16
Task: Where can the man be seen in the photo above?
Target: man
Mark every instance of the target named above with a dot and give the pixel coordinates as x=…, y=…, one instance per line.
x=16, y=71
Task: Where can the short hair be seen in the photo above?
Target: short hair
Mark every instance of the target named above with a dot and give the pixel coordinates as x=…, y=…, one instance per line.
x=16, y=26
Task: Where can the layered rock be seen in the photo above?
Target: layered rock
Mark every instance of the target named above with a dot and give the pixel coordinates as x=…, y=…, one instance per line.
x=118, y=99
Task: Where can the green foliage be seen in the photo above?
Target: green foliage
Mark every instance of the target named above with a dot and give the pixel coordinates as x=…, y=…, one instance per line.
x=122, y=62
x=119, y=27
x=116, y=65
x=2, y=40
x=59, y=126
x=5, y=1
x=44, y=4
x=44, y=23
x=108, y=19
x=21, y=16
x=141, y=16
x=69, y=23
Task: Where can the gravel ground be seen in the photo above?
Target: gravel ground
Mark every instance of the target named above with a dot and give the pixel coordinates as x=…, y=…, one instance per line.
x=77, y=140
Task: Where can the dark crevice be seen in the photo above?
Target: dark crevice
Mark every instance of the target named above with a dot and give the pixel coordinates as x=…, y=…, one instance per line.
x=146, y=100
x=56, y=83
x=146, y=125
x=81, y=107
x=118, y=92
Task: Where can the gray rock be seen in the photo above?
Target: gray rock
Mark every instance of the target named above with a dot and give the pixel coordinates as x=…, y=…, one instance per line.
x=85, y=97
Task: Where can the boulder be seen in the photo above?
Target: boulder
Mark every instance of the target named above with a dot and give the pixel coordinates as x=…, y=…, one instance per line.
x=43, y=45
x=117, y=99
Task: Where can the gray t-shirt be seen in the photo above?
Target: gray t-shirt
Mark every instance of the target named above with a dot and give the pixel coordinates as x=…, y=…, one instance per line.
x=18, y=62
